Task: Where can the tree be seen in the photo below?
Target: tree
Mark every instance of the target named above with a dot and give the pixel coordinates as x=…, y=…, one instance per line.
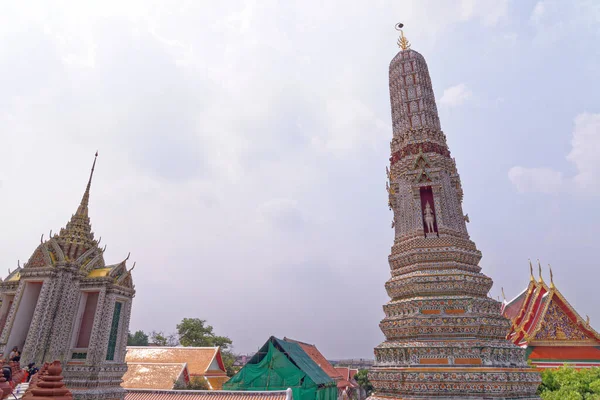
x=139, y=338
x=160, y=339
x=362, y=378
x=194, y=332
x=567, y=383
x=228, y=360
x=196, y=383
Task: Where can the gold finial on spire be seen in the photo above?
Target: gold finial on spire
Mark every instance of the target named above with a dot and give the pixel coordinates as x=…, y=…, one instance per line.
x=551, y=277
x=83, y=207
x=403, y=42
x=587, y=319
x=531, y=277
x=541, y=280
x=503, y=296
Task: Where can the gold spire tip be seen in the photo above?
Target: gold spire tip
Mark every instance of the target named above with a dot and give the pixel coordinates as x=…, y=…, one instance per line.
x=531, y=277
x=403, y=42
x=551, y=277
x=541, y=280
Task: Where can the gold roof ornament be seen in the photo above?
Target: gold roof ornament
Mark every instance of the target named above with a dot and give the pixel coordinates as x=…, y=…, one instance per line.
x=503, y=296
x=587, y=319
x=403, y=42
x=551, y=277
x=541, y=280
x=531, y=277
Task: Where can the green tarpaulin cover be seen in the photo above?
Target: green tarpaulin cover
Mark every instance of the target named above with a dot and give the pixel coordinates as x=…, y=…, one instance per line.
x=280, y=365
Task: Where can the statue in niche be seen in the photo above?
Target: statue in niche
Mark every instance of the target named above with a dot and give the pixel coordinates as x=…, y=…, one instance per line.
x=429, y=218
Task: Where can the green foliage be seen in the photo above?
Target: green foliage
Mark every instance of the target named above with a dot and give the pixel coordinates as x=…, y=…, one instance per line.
x=362, y=378
x=137, y=339
x=194, y=332
x=567, y=383
x=160, y=339
x=196, y=383
x=228, y=361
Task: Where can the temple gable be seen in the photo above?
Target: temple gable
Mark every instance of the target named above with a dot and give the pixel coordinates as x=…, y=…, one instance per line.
x=557, y=325
x=550, y=328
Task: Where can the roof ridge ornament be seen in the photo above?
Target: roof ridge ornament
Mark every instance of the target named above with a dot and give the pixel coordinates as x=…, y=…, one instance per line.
x=403, y=42
x=541, y=280
x=551, y=278
x=531, y=277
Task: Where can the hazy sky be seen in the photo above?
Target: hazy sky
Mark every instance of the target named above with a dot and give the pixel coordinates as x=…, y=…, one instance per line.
x=243, y=147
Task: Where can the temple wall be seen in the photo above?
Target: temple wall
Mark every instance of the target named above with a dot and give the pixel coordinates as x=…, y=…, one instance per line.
x=24, y=315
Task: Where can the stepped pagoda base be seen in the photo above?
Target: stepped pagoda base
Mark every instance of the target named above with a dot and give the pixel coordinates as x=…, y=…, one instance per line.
x=454, y=383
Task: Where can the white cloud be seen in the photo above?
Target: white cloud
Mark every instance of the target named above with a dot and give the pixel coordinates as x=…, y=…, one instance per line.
x=544, y=180
x=538, y=12
x=490, y=11
x=584, y=155
x=456, y=95
x=585, y=151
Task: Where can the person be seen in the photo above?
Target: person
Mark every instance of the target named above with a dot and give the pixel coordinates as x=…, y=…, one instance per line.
x=13, y=353
x=17, y=358
x=30, y=370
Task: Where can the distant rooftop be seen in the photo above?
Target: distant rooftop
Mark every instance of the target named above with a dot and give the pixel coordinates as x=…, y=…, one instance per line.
x=136, y=394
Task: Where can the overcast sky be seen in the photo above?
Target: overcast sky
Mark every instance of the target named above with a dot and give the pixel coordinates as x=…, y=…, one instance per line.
x=243, y=147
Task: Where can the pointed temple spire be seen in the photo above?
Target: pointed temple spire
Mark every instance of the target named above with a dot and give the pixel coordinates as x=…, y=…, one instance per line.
x=77, y=236
x=83, y=207
x=551, y=277
x=540, y=280
x=440, y=320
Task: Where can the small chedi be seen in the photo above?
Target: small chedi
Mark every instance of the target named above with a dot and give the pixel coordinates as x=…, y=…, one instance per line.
x=551, y=330
x=66, y=304
x=445, y=338
x=48, y=384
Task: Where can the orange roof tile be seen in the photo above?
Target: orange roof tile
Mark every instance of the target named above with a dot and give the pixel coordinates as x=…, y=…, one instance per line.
x=564, y=353
x=318, y=358
x=203, y=395
x=198, y=359
x=152, y=376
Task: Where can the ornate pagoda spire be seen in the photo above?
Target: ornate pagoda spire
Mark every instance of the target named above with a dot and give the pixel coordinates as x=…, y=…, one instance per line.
x=77, y=236
x=83, y=206
x=445, y=338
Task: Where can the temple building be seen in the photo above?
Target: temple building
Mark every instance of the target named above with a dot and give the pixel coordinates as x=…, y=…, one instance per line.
x=66, y=304
x=343, y=383
x=554, y=334
x=147, y=367
x=281, y=364
x=445, y=337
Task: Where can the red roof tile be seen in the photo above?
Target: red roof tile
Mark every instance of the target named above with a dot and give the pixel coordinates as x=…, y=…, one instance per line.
x=344, y=371
x=347, y=378
x=203, y=395
x=318, y=358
